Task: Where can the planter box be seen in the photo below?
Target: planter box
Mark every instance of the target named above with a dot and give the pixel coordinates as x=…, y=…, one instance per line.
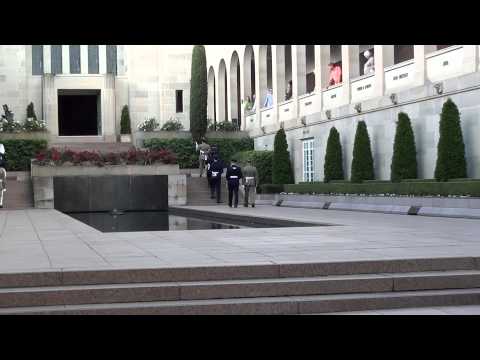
x=40, y=135
x=126, y=138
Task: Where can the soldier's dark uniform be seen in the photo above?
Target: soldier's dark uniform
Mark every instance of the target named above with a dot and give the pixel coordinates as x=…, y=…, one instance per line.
x=234, y=174
x=214, y=173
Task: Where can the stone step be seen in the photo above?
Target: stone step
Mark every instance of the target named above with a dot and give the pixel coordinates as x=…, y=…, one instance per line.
x=311, y=304
x=19, y=195
x=234, y=272
x=254, y=288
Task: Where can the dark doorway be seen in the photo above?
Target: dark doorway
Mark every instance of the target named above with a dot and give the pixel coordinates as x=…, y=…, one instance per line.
x=79, y=113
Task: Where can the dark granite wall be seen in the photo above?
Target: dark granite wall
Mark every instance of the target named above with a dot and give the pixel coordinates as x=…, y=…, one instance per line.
x=105, y=193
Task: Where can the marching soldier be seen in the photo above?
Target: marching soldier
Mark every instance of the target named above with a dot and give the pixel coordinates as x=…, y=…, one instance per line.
x=250, y=181
x=234, y=174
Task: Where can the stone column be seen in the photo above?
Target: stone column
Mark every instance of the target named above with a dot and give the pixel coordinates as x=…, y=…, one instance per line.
x=296, y=75
x=102, y=59
x=47, y=59
x=278, y=78
x=301, y=68
x=349, y=70
x=258, y=92
x=50, y=112
x=84, y=59
x=383, y=57
x=419, y=73
x=322, y=58
x=66, y=59
x=228, y=90
x=242, y=90
x=470, y=58
x=108, y=109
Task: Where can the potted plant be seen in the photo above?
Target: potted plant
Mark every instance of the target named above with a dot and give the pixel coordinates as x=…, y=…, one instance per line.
x=125, y=128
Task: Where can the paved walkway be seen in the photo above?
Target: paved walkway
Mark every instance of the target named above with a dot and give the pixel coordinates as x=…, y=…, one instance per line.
x=38, y=240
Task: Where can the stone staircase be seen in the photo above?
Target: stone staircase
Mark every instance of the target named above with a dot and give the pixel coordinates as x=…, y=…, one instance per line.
x=19, y=194
x=309, y=288
x=198, y=192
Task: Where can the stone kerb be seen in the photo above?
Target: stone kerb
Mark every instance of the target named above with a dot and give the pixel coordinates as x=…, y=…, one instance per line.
x=42, y=179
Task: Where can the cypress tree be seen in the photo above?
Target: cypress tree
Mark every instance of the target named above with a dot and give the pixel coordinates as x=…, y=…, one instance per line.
x=362, y=162
x=198, y=93
x=31, y=112
x=125, y=121
x=404, y=160
x=333, y=168
x=451, y=161
x=281, y=166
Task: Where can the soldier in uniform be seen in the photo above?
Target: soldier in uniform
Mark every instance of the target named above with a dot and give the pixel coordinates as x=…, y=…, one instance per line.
x=234, y=174
x=250, y=182
x=214, y=173
x=3, y=173
x=203, y=149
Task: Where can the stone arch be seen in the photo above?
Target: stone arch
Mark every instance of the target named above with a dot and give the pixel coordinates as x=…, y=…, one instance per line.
x=235, y=99
x=222, y=92
x=211, y=111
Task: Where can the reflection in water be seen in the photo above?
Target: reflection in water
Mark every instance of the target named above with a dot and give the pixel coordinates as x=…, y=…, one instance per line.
x=146, y=221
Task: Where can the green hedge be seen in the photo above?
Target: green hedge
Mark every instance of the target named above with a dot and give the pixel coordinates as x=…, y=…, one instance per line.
x=271, y=188
x=262, y=160
x=20, y=152
x=471, y=188
x=187, y=157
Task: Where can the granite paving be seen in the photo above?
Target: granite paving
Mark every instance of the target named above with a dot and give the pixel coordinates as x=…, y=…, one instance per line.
x=39, y=240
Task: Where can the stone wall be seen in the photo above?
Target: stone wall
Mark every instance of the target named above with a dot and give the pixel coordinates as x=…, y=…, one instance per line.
x=423, y=107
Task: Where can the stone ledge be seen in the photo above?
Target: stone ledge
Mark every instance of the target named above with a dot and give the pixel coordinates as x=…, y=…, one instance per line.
x=450, y=212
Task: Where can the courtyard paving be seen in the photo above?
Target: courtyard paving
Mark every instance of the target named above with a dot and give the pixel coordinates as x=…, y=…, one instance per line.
x=39, y=240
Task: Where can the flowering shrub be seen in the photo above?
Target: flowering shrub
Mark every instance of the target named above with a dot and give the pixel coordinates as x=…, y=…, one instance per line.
x=55, y=157
x=172, y=124
x=32, y=124
x=148, y=125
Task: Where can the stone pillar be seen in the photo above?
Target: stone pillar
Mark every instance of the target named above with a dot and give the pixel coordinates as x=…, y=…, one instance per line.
x=50, y=112
x=228, y=90
x=102, y=59
x=262, y=76
x=242, y=90
x=470, y=58
x=65, y=59
x=84, y=59
x=349, y=70
x=383, y=57
x=300, y=69
x=295, y=81
x=278, y=78
x=419, y=73
x=108, y=109
x=47, y=59
x=258, y=101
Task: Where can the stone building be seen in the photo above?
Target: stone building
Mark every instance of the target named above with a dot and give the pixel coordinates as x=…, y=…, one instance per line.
x=79, y=90
x=416, y=79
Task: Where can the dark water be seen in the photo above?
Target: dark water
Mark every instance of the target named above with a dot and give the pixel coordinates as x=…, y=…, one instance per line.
x=147, y=221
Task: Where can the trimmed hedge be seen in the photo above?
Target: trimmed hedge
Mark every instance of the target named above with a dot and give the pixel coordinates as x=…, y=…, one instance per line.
x=187, y=157
x=362, y=162
x=451, y=161
x=404, y=159
x=20, y=152
x=198, y=93
x=271, y=188
x=281, y=167
x=419, y=188
x=262, y=160
x=333, y=167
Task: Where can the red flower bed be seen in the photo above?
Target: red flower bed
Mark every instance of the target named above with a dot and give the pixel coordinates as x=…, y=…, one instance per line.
x=133, y=156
